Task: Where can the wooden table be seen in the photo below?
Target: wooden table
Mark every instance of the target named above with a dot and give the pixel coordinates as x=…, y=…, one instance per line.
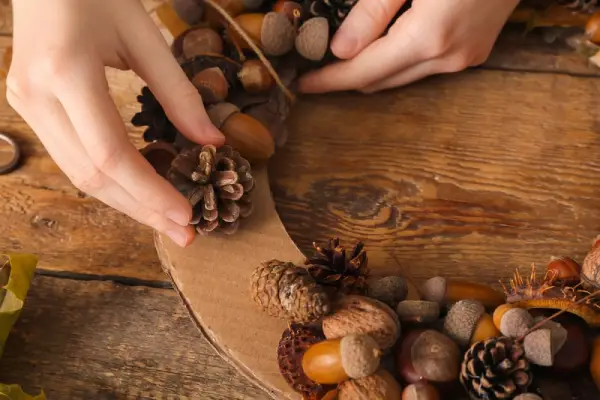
x=101, y=320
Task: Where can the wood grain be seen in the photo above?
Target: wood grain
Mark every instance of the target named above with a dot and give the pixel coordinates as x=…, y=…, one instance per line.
x=93, y=340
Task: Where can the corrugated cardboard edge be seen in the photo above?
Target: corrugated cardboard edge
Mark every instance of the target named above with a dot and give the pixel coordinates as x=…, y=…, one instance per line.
x=171, y=256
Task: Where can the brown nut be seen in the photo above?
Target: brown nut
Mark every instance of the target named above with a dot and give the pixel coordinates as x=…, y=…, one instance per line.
x=215, y=20
x=592, y=28
x=404, y=364
x=564, y=270
x=590, y=270
x=212, y=85
x=420, y=391
x=467, y=323
x=575, y=353
x=379, y=386
x=363, y=315
x=436, y=357
x=390, y=289
x=313, y=39
x=516, y=322
x=418, y=311
x=189, y=11
x=200, y=41
x=255, y=77
x=334, y=361
x=449, y=291
x=273, y=32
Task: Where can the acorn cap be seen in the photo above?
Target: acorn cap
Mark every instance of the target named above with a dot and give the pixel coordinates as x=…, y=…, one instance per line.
x=277, y=34
x=418, y=311
x=390, y=289
x=558, y=332
x=360, y=355
x=528, y=396
x=538, y=347
x=219, y=113
x=461, y=320
x=516, y=322
x=313, y=39
x=435, y=290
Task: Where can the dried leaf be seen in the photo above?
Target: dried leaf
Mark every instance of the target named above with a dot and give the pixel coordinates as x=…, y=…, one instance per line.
x=15, y=392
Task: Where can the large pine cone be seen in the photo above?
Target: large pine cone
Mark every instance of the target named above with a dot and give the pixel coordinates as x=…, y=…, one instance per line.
x=292, y=345
x=345, y=271
x=218, y=183
x=153, y=116
x=285, y=290
x=495, y=369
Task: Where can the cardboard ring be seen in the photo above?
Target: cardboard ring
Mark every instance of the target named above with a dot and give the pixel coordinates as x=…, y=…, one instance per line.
x=14, y=161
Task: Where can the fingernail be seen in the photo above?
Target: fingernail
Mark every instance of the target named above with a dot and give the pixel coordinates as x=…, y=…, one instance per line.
x=178, y=236
x=178, y=216
x=344, y=42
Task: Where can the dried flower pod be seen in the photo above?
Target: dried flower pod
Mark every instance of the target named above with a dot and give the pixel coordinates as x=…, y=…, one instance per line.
x=516, y=322
x=390, y=289
x=363, y=315
x=255, y=77
x=199, y=41
x=436, y=357
x=595, y=361
x=418, y=311
x=590, y=270
x=592, y=28
x=420, y=391
x=294, y=341
x=448, y=291
x=336, y=360
x=188, y=10
x=564, y=271
x=379, y=386
x=287, y=291
x=313, y=39
x=272, y=31
x=538, y=347
x=212, y=85
x=464, y=319
x=244, y=133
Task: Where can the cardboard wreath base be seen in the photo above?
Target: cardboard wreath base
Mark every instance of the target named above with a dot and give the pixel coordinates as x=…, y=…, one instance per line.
x=212, y=276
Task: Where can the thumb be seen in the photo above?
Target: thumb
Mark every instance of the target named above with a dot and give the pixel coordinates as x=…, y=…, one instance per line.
x=150, y=57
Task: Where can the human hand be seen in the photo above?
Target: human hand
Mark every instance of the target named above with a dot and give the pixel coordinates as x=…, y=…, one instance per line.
x=57, y=83
x=432, y=37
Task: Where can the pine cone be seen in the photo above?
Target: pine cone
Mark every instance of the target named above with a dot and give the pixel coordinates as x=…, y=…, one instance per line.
x=153, y=116
x=217, y=183
x=294, y=342
x=333, y=267
x=495, y=369
x=285, y=290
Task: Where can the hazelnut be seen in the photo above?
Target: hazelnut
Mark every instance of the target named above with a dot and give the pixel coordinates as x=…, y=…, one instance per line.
x=538, y=347
x=436, y=357
x=189, y=11
x=242, y=132
x=595, y=361
x=255, y=77
x=418, y=311
x=590, y=270
x=516, y=322
x=363, y=315
x=379, y=386
x=334, y=361
x=592, y=28
x=528, y=396
x=420, y=391
x=390, y=289
x=448, y=291
x=313, y=39
x=564, y=270
x=200, y=41
x=273, y=32
x=467, y=322
x=212, y=85
x=291, y=9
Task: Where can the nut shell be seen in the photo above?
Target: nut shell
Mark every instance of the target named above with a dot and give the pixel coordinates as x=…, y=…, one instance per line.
x=390, y=289
x=418, y=311
x=516, y=322
x=313, y=39
x=564, y=270
x=212, y=85
x=434, y=289
x=462, y=319
x=436, y=357
x=379, y=386
x=360, y=355
x=255, y=77
x=277, y=34
x=363, y=315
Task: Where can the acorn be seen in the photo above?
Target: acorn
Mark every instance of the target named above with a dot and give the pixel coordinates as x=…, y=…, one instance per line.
x=242, y=132
x=539, y=347
x=379, y=386
x=189, y=11
x=390, y=290
x=420, y=391
x=291, y=9
x=313, y=39
x=592, y=28
x=516, y=322
x=272, y=32
x=499, y=313
x=198, y=41
x=418, y=311
x=334, y=361
x=215, y=20
x=448, y=291
x=467, y=323
x=564, y=270
x=212, y=85
x=590, y=270
x=255, y=77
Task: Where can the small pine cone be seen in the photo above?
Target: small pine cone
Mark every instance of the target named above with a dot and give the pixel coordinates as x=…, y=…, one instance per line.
x=218, y=183
x=153, y=116
x=285, y=290
x=495, y=369
x=292, y=345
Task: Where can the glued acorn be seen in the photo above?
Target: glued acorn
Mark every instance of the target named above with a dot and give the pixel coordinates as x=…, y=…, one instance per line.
x=418, y=311
x=272, y=31
x=448, y=291
x=255, y=77
x=242, y=132
x=198, y=41
x=313, y=39
x=390, y=290
x=212, y=85
x=334, y=361
x=467, y=322
x=516, y=322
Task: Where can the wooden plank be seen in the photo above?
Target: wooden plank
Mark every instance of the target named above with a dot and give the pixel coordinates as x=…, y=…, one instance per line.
x=93, y=340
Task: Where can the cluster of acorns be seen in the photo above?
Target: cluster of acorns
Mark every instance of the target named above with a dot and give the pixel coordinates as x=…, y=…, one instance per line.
x=353, y=337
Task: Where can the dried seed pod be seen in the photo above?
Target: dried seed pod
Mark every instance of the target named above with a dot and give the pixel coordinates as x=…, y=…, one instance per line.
x=255, y=77
x=272, y=31
x=336, y=360
x=436, y=357
x=418, y=311
x=363, y=315
x=420, y=391
x=595, y=361
x=390, y=289
x=516, y=322
x=590, y=270
x=538, y=347
x=467, y=322
x=564, y=270
x=447, y=291
x=198, y=41
x=379, y=386
x=313, y=39
x=242, y=132
x=592, y=28
x=212, y=85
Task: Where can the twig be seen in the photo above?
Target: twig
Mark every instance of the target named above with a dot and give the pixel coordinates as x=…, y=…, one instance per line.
x=254, y=47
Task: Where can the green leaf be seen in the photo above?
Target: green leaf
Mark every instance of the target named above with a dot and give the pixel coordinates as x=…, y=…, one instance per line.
x=20, y=269
x=14, y=392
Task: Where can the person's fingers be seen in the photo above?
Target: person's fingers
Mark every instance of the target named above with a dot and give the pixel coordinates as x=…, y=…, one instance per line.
x=96, y=121
x=366, y=22
x=148, y=55
x=409, y=75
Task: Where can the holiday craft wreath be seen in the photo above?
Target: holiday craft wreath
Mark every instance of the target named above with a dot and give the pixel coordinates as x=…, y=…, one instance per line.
x=324, y=327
